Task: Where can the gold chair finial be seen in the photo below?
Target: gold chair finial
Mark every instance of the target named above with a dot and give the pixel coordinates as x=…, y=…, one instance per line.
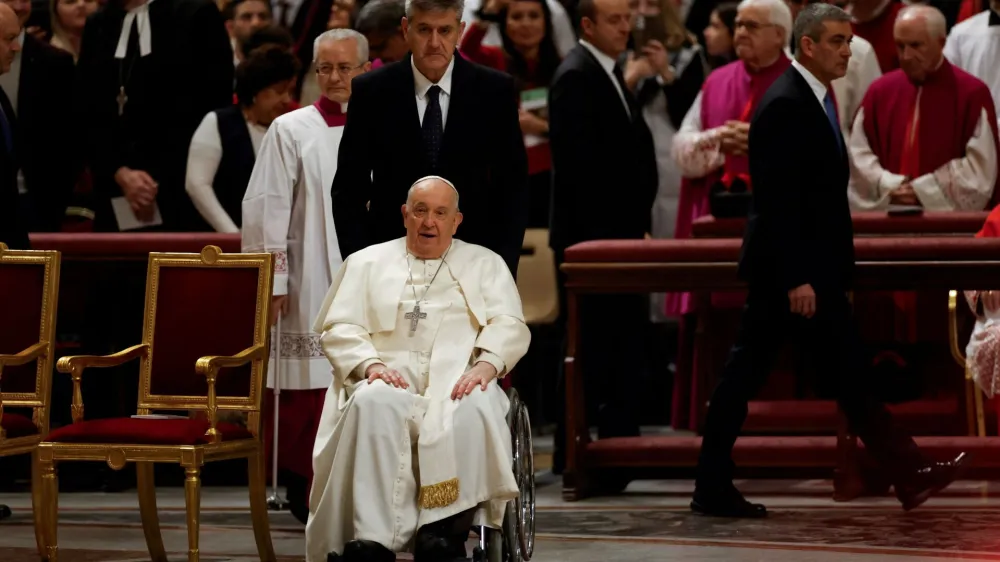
x=210, y=254
x=2, y=247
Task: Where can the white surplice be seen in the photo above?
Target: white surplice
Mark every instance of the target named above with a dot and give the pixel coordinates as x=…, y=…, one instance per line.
x=386, y=460
x=974, y=46
x=961, y=184
x=288, y=211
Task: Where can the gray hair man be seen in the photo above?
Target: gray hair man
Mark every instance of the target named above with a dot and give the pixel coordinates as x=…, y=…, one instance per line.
x=286, y=212
x=413, y=445
x=381, y=21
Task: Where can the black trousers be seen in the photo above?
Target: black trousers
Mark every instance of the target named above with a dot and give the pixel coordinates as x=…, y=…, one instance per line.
x=830, y=340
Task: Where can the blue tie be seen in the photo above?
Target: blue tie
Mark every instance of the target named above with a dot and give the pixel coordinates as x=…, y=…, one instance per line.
x=831, y=114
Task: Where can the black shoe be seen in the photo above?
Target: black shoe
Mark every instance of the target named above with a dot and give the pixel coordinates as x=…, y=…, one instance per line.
x=4, y=512
x=363, y=551
x=433, y=545
x=925, y=482
x=726, y=502
x=298, y=496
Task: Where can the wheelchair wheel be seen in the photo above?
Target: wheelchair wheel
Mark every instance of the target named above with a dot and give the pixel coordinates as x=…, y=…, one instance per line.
x=519, y=522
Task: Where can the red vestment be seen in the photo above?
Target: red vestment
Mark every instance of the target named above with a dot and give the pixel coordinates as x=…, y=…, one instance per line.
x=879, y=32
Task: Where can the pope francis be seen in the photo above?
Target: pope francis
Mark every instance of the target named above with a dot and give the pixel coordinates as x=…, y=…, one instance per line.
x=413, y=447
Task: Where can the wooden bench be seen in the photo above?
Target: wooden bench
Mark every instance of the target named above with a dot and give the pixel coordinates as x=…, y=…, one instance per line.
x=874, y=223
x=647, y=266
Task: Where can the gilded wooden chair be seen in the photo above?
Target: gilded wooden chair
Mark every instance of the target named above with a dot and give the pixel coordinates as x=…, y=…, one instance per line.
x=958, y=314
x=204, y=347
x=29, y=288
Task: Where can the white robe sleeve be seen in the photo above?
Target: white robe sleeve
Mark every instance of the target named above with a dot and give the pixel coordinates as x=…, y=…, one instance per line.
x=344, y=322
x=870, y=184
x=562, y=28
x=505, y=337
x=697, y=152
x=204, y=156
x=952, y=51
x=267, y=205
x=963, y=184
x=868, y=72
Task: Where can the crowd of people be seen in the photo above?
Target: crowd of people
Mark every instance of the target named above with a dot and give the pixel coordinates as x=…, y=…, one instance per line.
x=309, y=125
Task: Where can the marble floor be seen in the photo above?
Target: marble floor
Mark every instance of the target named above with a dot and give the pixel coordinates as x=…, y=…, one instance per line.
x=650, y=521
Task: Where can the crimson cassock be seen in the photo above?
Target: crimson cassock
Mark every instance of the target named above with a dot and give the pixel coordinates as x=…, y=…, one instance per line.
x=143, y=95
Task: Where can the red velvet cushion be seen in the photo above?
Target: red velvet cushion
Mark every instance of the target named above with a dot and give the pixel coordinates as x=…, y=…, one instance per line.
x=200, y=312
x=122, y=245
x=20, y=308
x=727, y=250
x=140, y=431
x=17, y=425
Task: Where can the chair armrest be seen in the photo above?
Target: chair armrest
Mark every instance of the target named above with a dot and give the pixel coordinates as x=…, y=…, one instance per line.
x=75, y=364
x=27, y=356
x=210, y=365
x=956, y=348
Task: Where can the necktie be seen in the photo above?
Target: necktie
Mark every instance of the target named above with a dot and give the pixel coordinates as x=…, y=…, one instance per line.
x=432, y=127
x=831, y=114
x=620, y=78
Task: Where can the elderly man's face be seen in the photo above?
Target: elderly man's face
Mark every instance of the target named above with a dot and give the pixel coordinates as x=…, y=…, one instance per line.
x=432, y=37
x=337, y=64
x=757, y=39
x=431, y=217
x=919, y=52
x=10, y=29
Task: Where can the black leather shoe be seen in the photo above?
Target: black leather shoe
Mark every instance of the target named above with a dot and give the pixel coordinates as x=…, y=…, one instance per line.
x=4, y=512
x=297, y=495
x=433, y=546
x=924, y=483
x=728, y=502
x=363, y=551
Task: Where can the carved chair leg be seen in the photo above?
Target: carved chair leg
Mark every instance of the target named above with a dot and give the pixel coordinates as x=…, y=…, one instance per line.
x=50, y=508
x=192, y=501
x=147, y=508
x=258, y=507
x=38, y=503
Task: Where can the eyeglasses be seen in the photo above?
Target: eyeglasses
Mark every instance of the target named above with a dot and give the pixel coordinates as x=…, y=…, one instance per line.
x=343, y=70
x=752, y=26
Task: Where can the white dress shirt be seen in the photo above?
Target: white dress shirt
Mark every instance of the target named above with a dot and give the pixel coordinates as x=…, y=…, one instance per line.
x=608, y=64
x=819, y=90
x=421, y=84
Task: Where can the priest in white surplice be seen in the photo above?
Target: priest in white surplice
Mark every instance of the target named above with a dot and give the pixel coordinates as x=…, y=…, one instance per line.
x=413, y=434
x=287, y=211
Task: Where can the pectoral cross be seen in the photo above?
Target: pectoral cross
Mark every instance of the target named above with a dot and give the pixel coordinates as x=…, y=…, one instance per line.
x=122, y=100
x=415, y=317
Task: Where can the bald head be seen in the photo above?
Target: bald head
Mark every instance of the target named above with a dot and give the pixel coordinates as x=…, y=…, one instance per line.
x=929, y=17
x=431, y=217
x=10, y=29
x=920, y=34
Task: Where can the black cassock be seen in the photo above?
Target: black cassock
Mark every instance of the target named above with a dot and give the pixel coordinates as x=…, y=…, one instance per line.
x=141, y=111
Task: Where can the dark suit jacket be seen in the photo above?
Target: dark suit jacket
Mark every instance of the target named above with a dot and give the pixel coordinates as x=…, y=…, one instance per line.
x=47, y=131
x=603, y=161
x=799, y=229
x=188, y=74
x=482, y=153
x=13, y=232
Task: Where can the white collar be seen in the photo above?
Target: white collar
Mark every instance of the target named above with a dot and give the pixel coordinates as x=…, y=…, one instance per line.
x=421, y=83
x=604, y=60
x=819, y=90
x=140, y=13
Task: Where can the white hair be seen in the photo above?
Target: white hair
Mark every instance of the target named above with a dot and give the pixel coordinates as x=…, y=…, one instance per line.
x=937, y=27
x=779, y=14
x=333, y=35
x=409, y=193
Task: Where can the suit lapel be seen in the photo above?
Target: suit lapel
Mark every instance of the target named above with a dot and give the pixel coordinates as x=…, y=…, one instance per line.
x=410, y=117
x=609, y=88
x=458, y=99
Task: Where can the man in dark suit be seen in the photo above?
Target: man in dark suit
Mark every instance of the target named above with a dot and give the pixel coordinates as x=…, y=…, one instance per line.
x=37, y=88
x=13, y=232
x=433, y=113
x=798, y=260
x=604, y=182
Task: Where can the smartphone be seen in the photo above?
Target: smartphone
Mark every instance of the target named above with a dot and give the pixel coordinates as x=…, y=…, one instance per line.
x=905, y=210
x=649, y=28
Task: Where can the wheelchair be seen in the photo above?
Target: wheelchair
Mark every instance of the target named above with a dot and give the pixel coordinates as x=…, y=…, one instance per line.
x=516, y=541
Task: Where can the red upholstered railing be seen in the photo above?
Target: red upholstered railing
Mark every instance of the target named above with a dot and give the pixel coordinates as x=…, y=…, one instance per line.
x=866, y=224
x=118, y=246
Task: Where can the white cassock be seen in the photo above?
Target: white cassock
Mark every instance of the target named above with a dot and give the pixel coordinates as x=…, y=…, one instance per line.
x=287, y=211
x=974, y=46
x=387, y=460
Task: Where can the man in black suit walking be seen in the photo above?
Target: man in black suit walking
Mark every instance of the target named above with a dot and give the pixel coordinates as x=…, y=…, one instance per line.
x=13, y=232
x=798, y=260
x=601, y=146
x=433, y=113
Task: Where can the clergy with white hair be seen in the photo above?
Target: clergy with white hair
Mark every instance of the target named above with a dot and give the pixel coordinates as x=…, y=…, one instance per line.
x=925, y=134
x=413, y=448
x=287, y=211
